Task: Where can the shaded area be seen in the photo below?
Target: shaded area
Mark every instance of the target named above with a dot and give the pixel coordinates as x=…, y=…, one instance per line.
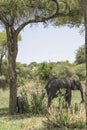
x=3, y=112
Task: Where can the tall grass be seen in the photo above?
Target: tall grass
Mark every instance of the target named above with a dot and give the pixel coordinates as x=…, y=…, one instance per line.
x=17, y=122
x=72, y=119
x=62, y=118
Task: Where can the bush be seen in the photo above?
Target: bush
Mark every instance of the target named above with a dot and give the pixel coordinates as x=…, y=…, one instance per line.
x=62, y=118
x=80, y=55
x=63, y=69
x=44, y=71
x=34, y=102
x=37, y=103
x=80, y=71
x=58, y=116
x=56, y=119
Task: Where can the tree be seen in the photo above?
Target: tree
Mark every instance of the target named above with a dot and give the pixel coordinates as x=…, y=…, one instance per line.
x=14, y=16
x=80, y=55
x=84, y=4
x=44, y=71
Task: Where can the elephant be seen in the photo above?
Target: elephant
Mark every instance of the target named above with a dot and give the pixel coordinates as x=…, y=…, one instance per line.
x=55, y=84
x=20, y=105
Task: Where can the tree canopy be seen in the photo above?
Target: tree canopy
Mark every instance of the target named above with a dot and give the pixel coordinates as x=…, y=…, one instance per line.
x=23, y=12
x=26, y=12
x=72, y=13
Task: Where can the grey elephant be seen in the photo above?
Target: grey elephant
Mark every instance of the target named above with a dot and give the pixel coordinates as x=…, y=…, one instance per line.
x=20, y=105
x=55, y=84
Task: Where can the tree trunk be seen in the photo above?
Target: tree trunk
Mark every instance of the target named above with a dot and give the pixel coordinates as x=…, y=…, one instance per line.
x=1, y=65
x=84, y=3
x=86, y=74
x=12, y=53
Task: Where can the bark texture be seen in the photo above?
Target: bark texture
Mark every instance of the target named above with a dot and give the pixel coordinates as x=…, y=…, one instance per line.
x=12, y=54
x=84, y=3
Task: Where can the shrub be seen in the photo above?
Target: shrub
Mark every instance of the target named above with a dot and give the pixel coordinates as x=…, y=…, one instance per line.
x=63, y=118
x=34, y=102
x=37, y=103
x=56, y=119
x=44, y=71
x=58, y=116
x=80, y=55
x=80, y=71
x=25, y=99
x=63, y=69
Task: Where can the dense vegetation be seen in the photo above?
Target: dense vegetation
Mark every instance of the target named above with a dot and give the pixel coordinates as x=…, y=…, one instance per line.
x=43, y=71
x=31, y=80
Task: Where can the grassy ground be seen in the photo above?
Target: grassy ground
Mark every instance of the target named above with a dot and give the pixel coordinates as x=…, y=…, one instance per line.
x=23, y=121
x=16, y=122
x=20, y=122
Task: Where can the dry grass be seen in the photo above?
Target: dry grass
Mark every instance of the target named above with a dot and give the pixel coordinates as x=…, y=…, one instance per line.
x=80, y=115
x=20, y=122
x=26, y=122
x=65, y=119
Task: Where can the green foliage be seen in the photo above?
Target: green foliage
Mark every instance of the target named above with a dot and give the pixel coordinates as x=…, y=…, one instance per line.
x=72, y=11
x=24, y=10
x=34, y=122
x=38, y=105
x=80, y=71
x=4, y=77
x=79, y=125
x=34, y=102
x=80, y=55
x=63, y=120
x=44, y=71
x=32, y=65
x=3, y=40
x=61, y=98
x=25, y=100
x=24, y=74
x=63, y=69
x=58, y=116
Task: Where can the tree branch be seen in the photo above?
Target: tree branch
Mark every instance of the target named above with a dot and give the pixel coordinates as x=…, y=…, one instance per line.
x=39, y=19
x=2, y=19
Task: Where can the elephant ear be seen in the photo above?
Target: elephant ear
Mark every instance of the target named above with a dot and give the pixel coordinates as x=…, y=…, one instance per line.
x=74, y=81
x=75, y=77
x=73, y=84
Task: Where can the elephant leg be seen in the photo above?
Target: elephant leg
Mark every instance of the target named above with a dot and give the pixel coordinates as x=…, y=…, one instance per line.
x=49, y=101
x=20, y=105
x=68, y=97
x=82, y=97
